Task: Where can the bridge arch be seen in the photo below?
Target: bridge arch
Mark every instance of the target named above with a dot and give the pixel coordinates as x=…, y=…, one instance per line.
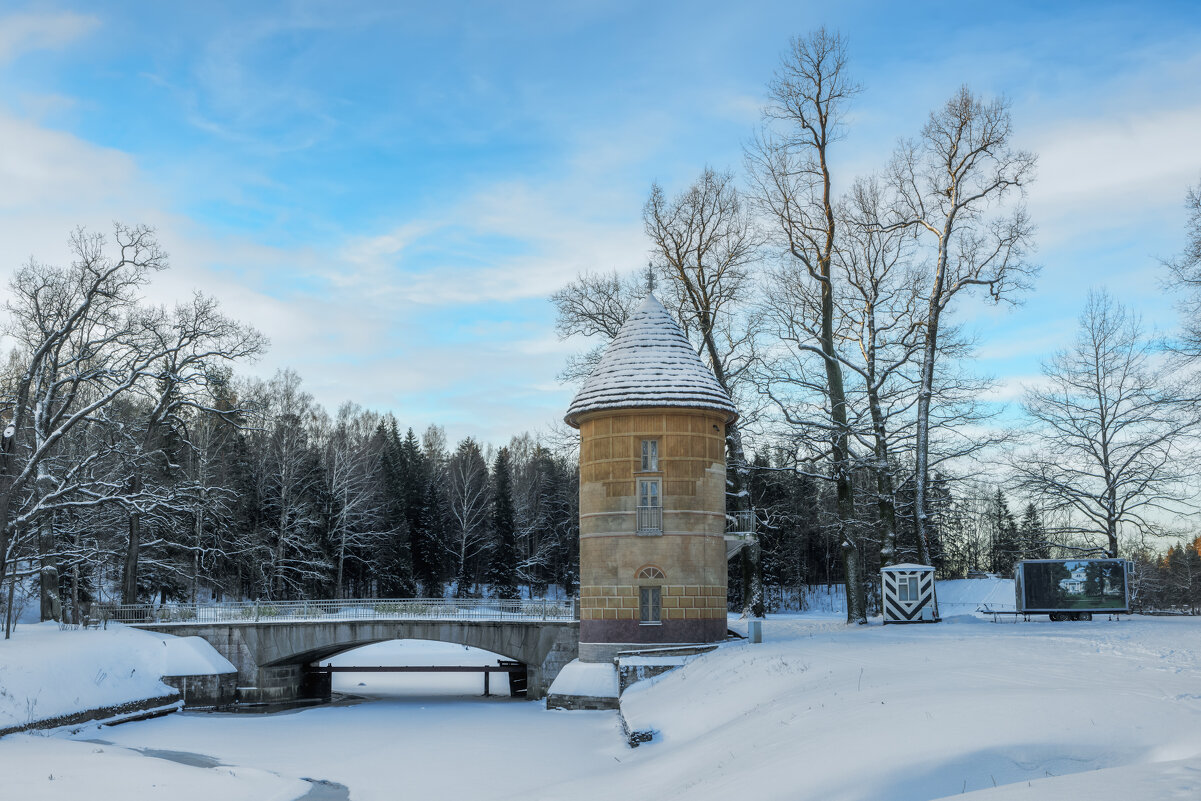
x=273, y=658
x=484, y=638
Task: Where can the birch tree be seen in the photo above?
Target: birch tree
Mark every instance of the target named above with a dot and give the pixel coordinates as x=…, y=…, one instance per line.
x=288, y=473
x=469, y=502
x=1115, y=430
x=951, y=187
x=350, y=464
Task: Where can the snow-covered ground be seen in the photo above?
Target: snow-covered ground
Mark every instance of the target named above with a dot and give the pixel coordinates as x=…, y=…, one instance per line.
x=33, y=767
x=823, y=711
x=46, y=673
x=1037, y=711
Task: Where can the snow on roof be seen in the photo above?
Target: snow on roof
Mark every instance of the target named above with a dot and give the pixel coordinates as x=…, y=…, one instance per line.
x=650, y=363
x=907, y=566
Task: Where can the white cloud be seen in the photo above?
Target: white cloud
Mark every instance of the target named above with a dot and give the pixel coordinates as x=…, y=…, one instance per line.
x=26, y=32
x=1105, y=170
x=350, y=319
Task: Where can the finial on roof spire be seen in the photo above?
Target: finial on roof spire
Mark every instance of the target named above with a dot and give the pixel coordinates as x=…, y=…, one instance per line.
x=650, y=278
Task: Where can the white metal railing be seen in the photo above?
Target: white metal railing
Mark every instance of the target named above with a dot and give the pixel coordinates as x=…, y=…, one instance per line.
x=348, y=609
x=740, y=523
x=650, y=520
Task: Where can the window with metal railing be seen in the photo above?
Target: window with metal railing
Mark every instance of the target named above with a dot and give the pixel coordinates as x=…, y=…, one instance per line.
x=650, y=512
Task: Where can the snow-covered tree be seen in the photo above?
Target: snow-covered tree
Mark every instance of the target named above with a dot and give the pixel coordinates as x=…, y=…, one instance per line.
x=469, y=505
x=502, y=564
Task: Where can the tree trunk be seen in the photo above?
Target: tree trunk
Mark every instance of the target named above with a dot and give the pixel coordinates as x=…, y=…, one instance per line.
x=198, y=524
x=840, y=453
x=341, y=561
x=925, y=393
x=8, y=610
x=129, y=577
x=75, y=616
x=51, y=601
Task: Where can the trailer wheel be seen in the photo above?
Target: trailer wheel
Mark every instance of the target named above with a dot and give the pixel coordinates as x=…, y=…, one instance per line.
x=1055, y=616
x=1084, y=615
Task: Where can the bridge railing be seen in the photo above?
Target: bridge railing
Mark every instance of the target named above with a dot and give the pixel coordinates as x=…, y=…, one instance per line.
x=347, y=609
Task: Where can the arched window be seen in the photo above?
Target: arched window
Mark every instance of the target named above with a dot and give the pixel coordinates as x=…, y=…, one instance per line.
x=650, y=572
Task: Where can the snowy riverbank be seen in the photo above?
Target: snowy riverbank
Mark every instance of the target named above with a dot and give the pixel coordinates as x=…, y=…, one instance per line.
x=48, y=674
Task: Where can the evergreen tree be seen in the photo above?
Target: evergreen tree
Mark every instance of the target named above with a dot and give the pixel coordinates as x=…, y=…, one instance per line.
x=1032, y=535
x=502, y=569
x=419, y=503
x=1006, y=546
x=394, y=564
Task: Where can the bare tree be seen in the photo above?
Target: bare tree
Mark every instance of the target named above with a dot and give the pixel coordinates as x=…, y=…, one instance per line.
x=950, y=186
x=188, y=344
x=82, y=346
x=1114, y=431
x=594, y=304
x=789, y=164
x=470, y=501
x=883, y=321
x=288, y=471
x=1185, y=270
x=208, y=496
x=350, y=463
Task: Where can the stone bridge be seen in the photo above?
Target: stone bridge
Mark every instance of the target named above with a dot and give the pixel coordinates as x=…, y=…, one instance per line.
x=273, y=657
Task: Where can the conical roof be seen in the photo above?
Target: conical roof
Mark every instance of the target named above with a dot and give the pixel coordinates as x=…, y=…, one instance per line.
x=650, y=363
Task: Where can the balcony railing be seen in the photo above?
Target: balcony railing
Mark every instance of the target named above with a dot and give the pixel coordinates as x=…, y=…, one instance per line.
x=650, y=520
x=740, y=523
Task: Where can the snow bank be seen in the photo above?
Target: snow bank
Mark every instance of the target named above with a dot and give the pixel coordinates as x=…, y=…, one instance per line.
x=46, y=673
x=825, y=711
x=53, y=768
x=1158, y=781
x=587, y=679
x=191, y=656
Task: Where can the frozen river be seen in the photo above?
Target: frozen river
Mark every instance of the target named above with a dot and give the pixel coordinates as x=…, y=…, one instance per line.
x=417, y=736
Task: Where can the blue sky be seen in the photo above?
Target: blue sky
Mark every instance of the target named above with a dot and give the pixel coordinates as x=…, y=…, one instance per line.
x=390, y=191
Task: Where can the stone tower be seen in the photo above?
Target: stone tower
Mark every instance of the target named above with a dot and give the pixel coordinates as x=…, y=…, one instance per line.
x=652, y=421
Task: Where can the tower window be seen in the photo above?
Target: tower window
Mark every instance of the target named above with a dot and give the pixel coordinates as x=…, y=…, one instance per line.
x=650, y=455
x=648, y=605
x=648, y=492
x=650, y=513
